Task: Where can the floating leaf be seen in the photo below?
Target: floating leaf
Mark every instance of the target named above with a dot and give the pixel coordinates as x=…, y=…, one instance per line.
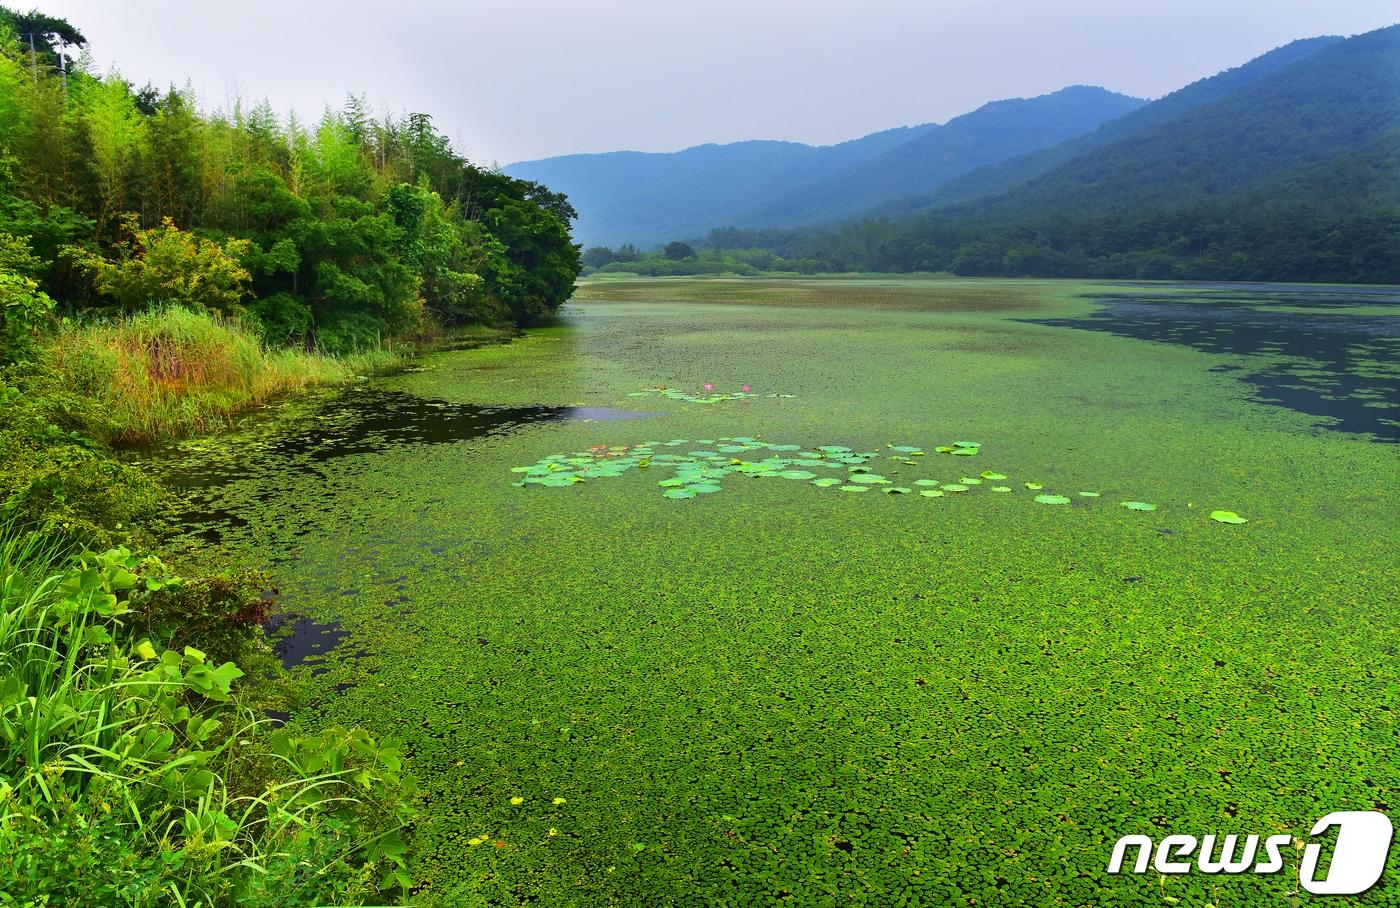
x=906, y=449
x=855, y=488
x=868, y=479
x=896, y=490
x=679, y=493
x=1052, y=499
x=1227, y=517
x=925, y=482
x=826, y=482
x=1139, y=506
x=991, y=474
x=931, y=493
x=797, y=474
x=954, y=487
x=1001, y=488
x=1034, y=486
x=1088, y=494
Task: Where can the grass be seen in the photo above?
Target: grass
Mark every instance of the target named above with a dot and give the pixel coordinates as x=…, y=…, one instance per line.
x=781, y=694
x=130, y=774
x=175, y=371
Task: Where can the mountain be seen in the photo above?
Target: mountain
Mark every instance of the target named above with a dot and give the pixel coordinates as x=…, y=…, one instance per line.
x=1337, y=100
x=994, y=132
x=647, y=198
x=1287, y=168
x=996, y=178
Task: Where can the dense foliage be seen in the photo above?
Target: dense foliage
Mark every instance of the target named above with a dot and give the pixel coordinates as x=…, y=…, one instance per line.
x=338, y=233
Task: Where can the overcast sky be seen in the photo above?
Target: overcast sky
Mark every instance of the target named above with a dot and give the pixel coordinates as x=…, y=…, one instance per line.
x=518, y=79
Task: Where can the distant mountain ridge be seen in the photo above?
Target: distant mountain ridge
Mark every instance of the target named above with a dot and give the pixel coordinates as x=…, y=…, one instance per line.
x=994, y=132
x=1286, y=168
x=995, y=178
x=1329, y=99
x=649, y=198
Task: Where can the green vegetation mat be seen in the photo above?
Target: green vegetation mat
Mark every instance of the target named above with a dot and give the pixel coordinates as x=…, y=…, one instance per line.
x=783, y=694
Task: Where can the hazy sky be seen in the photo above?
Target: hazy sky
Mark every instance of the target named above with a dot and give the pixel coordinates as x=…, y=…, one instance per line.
x=518, y=79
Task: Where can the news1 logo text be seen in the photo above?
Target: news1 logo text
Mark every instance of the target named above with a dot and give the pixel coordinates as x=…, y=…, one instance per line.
x=1357, y=859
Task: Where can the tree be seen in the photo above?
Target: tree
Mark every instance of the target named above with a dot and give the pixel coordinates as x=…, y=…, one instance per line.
x=598, y=256
x=167, y=265
x=676, y=251
x=40, y=33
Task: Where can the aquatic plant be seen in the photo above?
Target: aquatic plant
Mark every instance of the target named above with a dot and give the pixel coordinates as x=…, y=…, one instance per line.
x=700, y=471
x=707, y=395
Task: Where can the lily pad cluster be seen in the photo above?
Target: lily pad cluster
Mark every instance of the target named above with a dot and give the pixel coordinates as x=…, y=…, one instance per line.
x=708, y=395
x=701, y=469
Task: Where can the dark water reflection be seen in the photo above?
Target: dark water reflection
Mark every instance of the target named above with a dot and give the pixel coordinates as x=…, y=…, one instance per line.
x=1342, y=367
x=219, y=485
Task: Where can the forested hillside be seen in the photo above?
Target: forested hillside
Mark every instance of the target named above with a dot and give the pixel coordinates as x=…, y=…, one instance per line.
x=648, y=199
x=1289, y=170
x=996, y=178
x=992, y=133
x=338, y=232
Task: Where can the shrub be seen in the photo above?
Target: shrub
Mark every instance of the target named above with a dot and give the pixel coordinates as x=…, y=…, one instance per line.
x=55, y=478
x=166, y=265
x=24, y=308
x=282, y=317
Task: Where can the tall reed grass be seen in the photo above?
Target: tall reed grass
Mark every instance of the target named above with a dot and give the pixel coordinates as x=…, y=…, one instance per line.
x=173, y=370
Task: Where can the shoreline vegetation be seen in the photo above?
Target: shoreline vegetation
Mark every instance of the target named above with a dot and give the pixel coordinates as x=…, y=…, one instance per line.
x=163, y=269
x=170, y=372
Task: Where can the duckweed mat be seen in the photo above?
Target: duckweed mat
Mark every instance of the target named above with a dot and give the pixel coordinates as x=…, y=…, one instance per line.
x=789, y=694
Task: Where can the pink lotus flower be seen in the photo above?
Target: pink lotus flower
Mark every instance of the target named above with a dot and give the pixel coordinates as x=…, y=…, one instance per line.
x=746, y=389
x=709, y=387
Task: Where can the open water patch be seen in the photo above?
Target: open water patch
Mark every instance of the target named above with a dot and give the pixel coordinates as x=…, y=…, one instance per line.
x=1343, y=368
